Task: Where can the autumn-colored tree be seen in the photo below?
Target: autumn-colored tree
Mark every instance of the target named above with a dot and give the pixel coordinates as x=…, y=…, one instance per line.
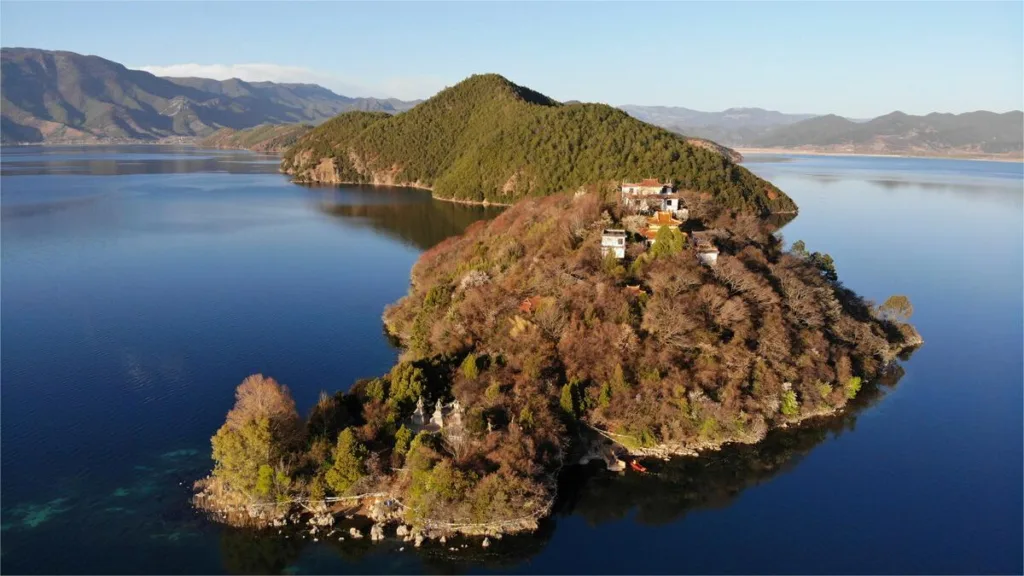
x=253, y=448
x=897, y=308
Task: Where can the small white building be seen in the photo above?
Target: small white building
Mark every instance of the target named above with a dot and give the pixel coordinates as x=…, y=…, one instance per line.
x=613, y=241
x=707, y=254
x=646, y=187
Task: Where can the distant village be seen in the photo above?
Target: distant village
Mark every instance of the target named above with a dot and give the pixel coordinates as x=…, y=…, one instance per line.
x=665, y=209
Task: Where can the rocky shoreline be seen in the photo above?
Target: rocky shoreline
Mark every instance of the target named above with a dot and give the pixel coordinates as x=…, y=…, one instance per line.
x=379, y=516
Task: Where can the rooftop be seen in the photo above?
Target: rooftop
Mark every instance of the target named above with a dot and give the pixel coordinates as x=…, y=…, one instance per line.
x=613, y=232
x=663, y=219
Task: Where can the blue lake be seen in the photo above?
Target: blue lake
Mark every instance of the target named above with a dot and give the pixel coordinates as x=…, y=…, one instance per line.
x=140, y=285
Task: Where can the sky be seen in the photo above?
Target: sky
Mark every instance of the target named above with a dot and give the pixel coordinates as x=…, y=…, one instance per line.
x=856, y=59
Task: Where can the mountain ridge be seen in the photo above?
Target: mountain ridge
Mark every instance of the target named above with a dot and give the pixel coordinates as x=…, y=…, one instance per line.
x=978, y=133
x=55, y=96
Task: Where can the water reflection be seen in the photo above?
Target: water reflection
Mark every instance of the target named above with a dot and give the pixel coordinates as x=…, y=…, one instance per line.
x=408, y=215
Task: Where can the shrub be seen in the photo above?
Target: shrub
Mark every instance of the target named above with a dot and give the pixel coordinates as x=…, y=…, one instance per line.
x=824, y=390
x=469, y=367
x=852, y=387
x=790, y=406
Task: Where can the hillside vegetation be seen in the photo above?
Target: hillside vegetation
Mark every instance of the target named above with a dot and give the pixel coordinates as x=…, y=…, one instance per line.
x=262, y=138
x=487, y=139
x=542, y=342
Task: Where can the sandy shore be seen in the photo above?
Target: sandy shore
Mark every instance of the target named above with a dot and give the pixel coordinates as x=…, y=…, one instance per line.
x=793, y=151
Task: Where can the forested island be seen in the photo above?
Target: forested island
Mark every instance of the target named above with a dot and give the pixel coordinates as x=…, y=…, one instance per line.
x=489, y=140
x=526, y=351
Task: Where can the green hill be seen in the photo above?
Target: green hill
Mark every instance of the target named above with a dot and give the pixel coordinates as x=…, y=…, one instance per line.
x=489, y=140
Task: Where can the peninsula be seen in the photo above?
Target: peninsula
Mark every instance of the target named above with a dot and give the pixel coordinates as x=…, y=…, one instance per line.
x=613, y=317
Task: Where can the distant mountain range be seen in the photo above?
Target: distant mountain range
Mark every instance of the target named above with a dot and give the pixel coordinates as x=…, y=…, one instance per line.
x=732, y=127
x=63, y=97
x=983, y=134
x=54, y=96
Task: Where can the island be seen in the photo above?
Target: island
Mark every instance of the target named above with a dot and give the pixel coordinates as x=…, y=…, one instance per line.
x=489, y=140
x=605, y=316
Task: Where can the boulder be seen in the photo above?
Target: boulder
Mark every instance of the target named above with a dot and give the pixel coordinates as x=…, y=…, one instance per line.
x=376, y=532
x=355, y=533
x=487, y=542
x=402, y=531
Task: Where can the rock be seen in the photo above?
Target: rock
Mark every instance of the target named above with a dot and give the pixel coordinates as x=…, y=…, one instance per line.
x=443, y=540
x=497, y=536
x=355, y=533
x=402, y=549
x=419, y=540
x=402, y=531
x=487, y=542
x=376, y=532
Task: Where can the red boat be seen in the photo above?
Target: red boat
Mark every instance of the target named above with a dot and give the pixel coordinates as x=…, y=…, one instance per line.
x=636, y=466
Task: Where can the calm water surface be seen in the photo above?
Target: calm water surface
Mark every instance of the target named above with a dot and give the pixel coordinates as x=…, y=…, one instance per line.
x=140, y=285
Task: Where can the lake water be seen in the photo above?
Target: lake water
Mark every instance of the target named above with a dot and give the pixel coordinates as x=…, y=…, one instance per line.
x=140, y=285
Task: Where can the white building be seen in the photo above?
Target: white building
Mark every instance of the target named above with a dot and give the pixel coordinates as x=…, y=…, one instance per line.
x=652, y=195
x=707, y=254
x=613, y=241
x=646, y=187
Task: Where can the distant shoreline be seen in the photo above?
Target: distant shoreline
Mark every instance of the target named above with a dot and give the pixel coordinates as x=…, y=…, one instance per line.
x=798, y=152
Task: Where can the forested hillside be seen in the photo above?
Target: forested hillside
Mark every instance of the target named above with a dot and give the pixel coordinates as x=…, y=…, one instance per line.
x=489, y=140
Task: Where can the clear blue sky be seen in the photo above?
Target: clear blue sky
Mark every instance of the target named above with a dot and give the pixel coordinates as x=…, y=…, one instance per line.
x=857, y=59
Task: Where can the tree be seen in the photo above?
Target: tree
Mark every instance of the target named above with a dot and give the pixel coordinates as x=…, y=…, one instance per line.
x=407, y=385
x=469, y=367
x=240, y=453
x=259, y=397
x=349, y=464
x=896, y=308
x=852, y=387
x=567, y=400
x=825, y=265
x=668, y=241
x=790, y=406
x=402, y=440
x=799, y=249
x=260, y=434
